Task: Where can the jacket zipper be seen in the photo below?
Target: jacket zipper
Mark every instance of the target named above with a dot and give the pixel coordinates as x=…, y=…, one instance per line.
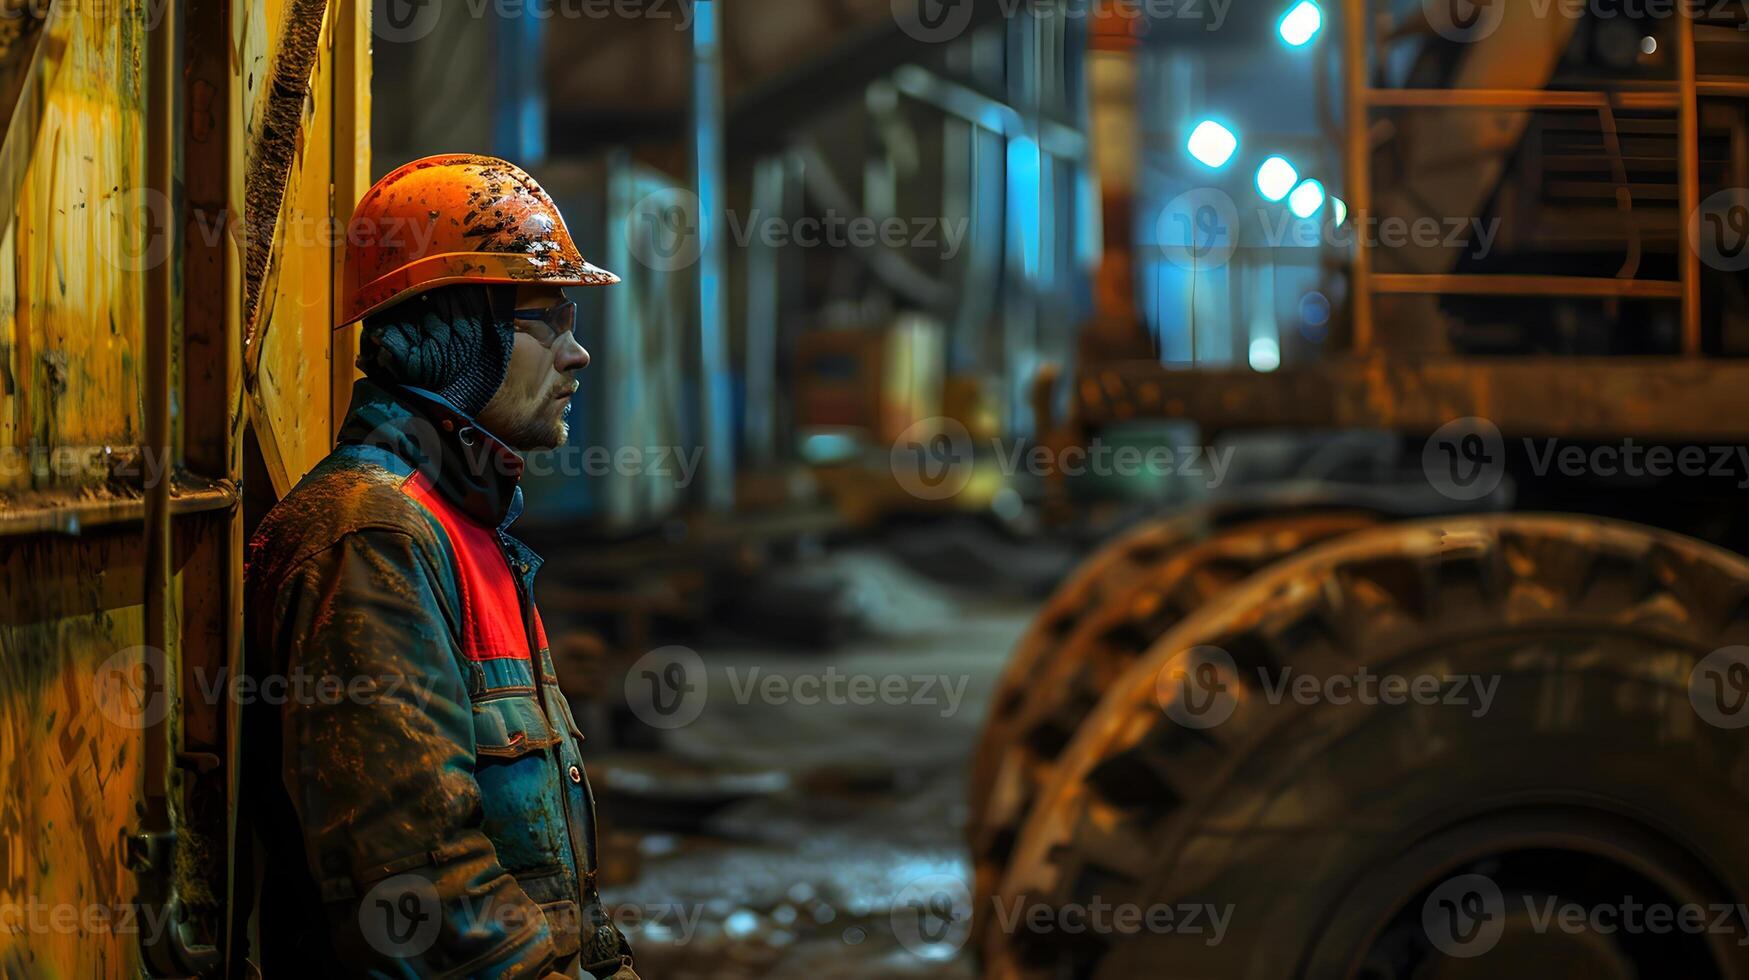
x=586, y=861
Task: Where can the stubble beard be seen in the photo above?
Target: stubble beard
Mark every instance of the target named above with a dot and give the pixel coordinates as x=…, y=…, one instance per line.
x=534, y=431
x=537, y=434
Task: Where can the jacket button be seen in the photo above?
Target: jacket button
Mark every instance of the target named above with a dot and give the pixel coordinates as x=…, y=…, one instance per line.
x=576, y=774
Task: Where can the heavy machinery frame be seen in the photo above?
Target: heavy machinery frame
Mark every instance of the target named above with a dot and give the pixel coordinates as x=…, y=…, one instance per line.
x=1099, y=789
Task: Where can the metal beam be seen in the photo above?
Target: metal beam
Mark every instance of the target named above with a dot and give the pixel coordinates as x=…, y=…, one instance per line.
x=1357, y=166
x=1489, y=98
x=1481, y=284
x=1688, y=180
x=77, y=511
x=1567, y=397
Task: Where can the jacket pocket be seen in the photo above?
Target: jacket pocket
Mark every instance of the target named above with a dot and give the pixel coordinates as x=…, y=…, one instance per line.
x=510, y=727
x=520, y=784
x=555, y=891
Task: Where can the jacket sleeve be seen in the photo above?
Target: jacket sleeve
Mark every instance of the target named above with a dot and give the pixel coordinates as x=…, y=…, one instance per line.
x=379, y=759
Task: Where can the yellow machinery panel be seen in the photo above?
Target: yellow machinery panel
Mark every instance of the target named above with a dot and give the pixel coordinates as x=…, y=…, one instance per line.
x=71, y=295
x=71, y=608
x=299, y=370
x=166, y=277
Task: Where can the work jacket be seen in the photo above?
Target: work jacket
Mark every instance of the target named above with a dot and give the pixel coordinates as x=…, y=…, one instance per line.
x=430, y=815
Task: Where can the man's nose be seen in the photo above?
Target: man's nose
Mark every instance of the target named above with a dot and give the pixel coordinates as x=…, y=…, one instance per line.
x=570, y=355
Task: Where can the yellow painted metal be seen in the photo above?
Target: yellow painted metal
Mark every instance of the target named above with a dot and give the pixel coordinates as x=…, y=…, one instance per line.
x=71, y=765
x=1357, y=165
x=80, y=233
x=71, y=256
x=106, y=630
x=351, y=86
x=299, y=370
x=1688, y=179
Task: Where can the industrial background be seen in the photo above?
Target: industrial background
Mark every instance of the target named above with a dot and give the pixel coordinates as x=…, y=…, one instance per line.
x=1067, y=488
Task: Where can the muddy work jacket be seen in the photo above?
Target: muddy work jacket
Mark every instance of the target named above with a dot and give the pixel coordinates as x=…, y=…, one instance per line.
x=419, y=794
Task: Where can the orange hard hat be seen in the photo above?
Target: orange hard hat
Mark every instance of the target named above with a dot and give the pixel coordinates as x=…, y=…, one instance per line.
x=455, y=218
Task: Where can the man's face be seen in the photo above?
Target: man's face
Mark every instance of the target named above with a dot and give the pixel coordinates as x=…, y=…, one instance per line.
x=529, y=410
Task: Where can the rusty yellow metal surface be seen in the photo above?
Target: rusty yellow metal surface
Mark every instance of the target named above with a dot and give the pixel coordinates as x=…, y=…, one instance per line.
x=351, y=81
x=78, y=235
x=79, y=231
x=79, y=692
x=302, y=370
x=71, y=730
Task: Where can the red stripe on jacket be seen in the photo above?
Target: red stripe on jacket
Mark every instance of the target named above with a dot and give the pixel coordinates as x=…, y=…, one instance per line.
x=492, y=626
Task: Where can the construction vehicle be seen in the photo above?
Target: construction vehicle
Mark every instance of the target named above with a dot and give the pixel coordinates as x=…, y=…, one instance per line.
x=1141, y=751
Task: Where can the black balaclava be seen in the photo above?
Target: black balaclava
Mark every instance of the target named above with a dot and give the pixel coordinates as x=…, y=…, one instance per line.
x=454, y=341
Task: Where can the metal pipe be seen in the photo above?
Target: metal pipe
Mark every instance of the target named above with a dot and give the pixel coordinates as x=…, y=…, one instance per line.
x=159, y=319
x=1357, y=165
x=61, y=513
x=979, y=109
x=1723, y=88
x=1478, y=284
x=708, y=178
x=1499, y=98
x=1688, y=181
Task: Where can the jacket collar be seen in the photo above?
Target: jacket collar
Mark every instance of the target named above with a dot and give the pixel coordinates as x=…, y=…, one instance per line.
x=469, y=467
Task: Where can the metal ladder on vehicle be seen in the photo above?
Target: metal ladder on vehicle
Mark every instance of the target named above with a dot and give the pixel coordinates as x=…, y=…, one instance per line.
x=1681, y=97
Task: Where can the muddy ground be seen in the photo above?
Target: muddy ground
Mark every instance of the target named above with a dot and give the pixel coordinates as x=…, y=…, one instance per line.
x=794, y=826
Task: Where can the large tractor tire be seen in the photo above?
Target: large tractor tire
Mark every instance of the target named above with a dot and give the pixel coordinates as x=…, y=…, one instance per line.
x=1232, y=811
x=1066, y=681
x=1108, y=572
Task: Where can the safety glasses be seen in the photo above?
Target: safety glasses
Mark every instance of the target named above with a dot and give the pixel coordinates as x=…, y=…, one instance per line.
x=548, y=324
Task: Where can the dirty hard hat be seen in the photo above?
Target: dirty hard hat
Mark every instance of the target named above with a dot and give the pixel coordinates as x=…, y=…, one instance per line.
x=456, y=218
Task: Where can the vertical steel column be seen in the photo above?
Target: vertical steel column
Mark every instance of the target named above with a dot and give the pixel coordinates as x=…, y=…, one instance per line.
x=1688, y=181
x=212, y=390
x=167, y=950
x=159, y=334
x=713, y=327
x=764, y=289
x=519, y=118
x=1357, y=165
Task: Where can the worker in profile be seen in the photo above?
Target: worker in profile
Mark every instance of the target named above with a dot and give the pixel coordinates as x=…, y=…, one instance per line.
x=420, y=793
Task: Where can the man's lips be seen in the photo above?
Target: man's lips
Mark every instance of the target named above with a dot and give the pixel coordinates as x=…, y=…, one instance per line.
x=565, y=394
